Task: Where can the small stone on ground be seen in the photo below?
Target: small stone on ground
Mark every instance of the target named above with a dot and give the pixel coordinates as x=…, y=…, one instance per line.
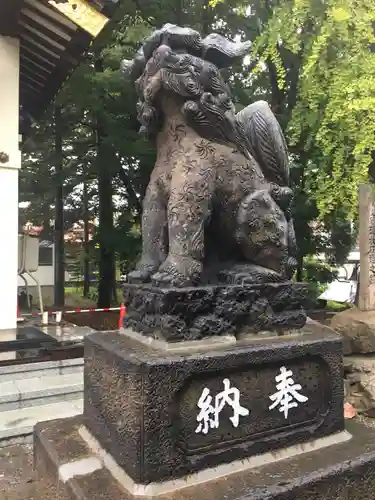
x=349, y=411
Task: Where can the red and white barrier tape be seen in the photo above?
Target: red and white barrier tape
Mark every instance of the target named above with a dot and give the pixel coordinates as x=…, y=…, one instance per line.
x=59, y=314
x=72, y=311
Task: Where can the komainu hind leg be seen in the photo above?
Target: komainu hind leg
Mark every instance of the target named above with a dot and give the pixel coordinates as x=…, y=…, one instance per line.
x=248, y=274
x=262, y=233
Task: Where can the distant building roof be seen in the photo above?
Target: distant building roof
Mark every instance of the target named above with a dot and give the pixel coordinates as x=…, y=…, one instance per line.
x=74, y=234
x=32, y=230
x=52, y=44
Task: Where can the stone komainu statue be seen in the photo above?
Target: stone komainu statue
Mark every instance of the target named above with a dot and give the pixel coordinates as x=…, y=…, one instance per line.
x=217, y=207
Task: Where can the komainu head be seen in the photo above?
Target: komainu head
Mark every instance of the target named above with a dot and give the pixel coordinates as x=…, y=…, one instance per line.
x=176, y=61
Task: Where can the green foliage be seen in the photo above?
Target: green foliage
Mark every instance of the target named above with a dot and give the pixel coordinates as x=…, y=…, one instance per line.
x=317, y=274
x=92, y=96
x=334, y=110
x=311, y=60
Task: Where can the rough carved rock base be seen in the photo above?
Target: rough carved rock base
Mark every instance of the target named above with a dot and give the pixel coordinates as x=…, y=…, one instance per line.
x=176, y=314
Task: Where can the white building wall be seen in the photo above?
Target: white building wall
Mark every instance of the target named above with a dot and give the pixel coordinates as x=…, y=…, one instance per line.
x=9, y=144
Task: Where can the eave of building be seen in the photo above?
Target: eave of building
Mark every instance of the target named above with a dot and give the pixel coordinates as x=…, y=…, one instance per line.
x=51, y=47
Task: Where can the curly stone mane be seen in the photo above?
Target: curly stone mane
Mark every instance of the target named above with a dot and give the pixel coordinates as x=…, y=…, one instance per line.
x=180, y=62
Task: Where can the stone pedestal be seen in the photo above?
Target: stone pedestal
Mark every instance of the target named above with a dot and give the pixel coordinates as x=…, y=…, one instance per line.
x=69, y=470
x=143, y=404
x=206, y=419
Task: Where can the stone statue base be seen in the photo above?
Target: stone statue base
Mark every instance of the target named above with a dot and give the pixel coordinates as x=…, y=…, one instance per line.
x=159, y=392
x=69, y=471
x=193, y=420
x=178, y=314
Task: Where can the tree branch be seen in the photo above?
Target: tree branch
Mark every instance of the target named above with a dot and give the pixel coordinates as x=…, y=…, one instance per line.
x=86, y=124
x=277, y=97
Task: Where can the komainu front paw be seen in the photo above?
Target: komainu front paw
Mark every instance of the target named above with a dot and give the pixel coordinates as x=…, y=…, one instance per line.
x=178, y=271
x=143, y=271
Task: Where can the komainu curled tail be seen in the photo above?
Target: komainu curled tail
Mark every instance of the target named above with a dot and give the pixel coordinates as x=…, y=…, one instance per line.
x=265, y=140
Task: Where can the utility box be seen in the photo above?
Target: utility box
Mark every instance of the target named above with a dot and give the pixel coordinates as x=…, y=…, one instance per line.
x=28, y=253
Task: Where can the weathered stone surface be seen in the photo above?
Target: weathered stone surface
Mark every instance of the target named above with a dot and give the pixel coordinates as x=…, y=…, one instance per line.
x=343, y=471
x=176, y=314
x=366, y=296
x=59, y=443
x=44, y=464
x=219, y=193
x=358, y=330
x=360, y=382
x=141, y=403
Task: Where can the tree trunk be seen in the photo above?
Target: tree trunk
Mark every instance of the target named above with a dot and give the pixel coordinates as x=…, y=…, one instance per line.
x=59, y=288
x=206, y=18
x=86, y=243
x=299, y=271
x=277, y=94
x=114, y=284
x=106, y=259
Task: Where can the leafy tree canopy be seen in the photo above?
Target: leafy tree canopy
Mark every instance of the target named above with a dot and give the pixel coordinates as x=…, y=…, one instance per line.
x=323, y=57
x=312, y=60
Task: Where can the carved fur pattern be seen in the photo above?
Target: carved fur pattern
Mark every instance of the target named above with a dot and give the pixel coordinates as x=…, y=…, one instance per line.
x=218, y=196
x=266, y=140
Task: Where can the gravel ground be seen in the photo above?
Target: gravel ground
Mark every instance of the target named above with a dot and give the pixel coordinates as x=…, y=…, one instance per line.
x=16, y=467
